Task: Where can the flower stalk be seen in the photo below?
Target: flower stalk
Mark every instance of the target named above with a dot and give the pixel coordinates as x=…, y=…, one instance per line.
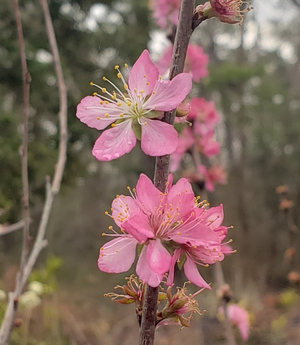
x=183, y=34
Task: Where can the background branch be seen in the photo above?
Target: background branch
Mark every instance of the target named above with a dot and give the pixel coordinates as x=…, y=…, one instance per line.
x=51, y=190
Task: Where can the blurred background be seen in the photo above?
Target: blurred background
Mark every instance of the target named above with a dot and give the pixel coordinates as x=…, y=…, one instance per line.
x=254, y=74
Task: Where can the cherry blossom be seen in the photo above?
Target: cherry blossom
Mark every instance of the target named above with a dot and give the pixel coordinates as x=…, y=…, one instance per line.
x=166, y=12
x=133, y=113
x=162, y=224
x=228, y=11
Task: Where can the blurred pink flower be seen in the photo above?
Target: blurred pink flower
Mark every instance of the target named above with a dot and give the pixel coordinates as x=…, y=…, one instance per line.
x=215, y=174
x=207, y=144
x=203, y=111
x=239, y=317
x=195, y=63
x=154, y=219
x=228, y=11
x=131, y=113
x=185, y=140
x=166, y=12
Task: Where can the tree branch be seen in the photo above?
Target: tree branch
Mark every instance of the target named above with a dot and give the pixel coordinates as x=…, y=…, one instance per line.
x=183, y=34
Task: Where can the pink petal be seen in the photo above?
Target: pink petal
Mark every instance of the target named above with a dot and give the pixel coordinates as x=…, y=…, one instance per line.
x=148, y=196
x=214, y=216
x=138, y=226
x=143, y=71
x=159, y=259
x=158, y=138
x=175, y=258
x=169, y=94
x=181, y=196
x=122, y=207
x=92, y=113
x=144, y=271
x=115, y=142
x=193, y=275
x=117, y=255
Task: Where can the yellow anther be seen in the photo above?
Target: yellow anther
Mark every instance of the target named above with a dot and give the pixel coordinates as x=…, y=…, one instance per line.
x=126, y=65
x=106, y=102
x=153, y=93
x=119, y=104
x=104, y=78
x=106, y=213
x=119, y=75
x=91, y=83
x=178, y=233
x=106, y=115
x=146, y=123
x=148, y=83
x=103, y=89
x=101, y=102
x=94, y=93
x=98, y=118
x=128, y=103
x=117, y=67
x=113, y=125
x=121, y=115
x=125, y=86
x=142, y=91
x=110, y=227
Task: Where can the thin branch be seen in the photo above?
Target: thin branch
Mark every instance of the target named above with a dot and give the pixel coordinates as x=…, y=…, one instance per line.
x=183, y=34
x=51, y=190
x=24, y=152
x=6, y=229
x=62, y=156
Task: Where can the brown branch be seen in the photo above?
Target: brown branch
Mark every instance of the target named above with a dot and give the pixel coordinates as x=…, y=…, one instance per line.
x=183, y=34
x=51, y=190
x=62, y=156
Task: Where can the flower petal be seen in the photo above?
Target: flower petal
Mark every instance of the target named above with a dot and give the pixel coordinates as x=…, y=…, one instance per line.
x=158, y=138
x=169, y=94
x=214, y=216
x=159, y=259
x=90, y=112
x=193, y=275
x=117, y=255
x=143, y=74
x=122, y=207
x=147, y=195
x=115, y=142
x=144, y=271
x=175, y=258
x=138, y=226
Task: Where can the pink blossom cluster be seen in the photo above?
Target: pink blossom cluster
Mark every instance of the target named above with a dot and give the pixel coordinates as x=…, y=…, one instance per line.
x=169, y=228
x=200, y=134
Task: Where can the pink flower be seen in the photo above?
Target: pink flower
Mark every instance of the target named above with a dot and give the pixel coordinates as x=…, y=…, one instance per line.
x=239, y=317
x=131, y=114
x=195, y=63
x=213, y=175
x=228, y=11
x=166, y=12
x=206, y=250
x=203, y=111
x=156, y=220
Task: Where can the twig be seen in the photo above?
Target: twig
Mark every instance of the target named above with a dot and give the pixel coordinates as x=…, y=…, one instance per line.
x=183, y=34
x=6, y=229
x=51, y=190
